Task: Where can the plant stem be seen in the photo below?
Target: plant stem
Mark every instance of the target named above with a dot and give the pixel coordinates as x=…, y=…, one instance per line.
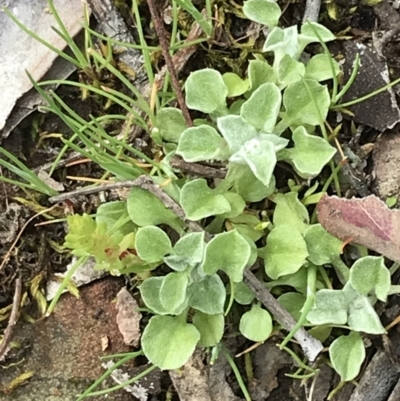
x=158, y=25
x=237, y=374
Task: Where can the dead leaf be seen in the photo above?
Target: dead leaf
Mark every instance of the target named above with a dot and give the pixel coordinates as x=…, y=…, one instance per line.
x=128, y=319
x=367, y=221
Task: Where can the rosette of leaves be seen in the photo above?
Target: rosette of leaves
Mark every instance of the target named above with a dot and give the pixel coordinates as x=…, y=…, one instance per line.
x=246, y=132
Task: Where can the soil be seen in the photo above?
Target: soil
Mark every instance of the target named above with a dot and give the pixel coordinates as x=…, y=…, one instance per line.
x=63, y=350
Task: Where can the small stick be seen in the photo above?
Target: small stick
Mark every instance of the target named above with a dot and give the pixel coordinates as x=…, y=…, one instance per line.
x=196, y=169
x=312, y=11
x=159, y=27
x=13, y=317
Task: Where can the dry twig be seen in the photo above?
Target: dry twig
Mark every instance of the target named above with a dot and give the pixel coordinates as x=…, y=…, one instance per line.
x=13, y=317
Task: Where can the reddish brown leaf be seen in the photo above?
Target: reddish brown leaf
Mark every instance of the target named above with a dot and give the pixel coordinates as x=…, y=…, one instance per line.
x=367, y=221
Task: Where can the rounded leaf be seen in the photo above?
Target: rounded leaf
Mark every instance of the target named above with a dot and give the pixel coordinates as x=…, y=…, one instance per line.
x=370, y=275
x=289, y=210
x=150, y=293
x=170, y=123
x=199, y=201
x=229, y=252
x=173, y=291
x=200, y=143
x=310, y=153
x=152, y=243
x=145, y=209
x=256, y=324
x=293, y=302
x=300, y=107
x=205, y=91
x=247, y=185
x=236, y=131
x=347, y=354
x=188, y=251
x=262, y=108
x=236, y=85
x=243, y=294
x=319, y=68
x=260, y=72
x=210, y=327
x=260, y=156
x=168, y=343
x=266, y=12
x=207, y=295
x=285, y=253
x=330, y=308
x=322, y=247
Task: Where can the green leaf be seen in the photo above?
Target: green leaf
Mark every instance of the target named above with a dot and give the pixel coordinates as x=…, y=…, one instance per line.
x=236, y=85
x=319, y=68
x=369, y=275
x=199, y=201
x=330, y=308
x=207, y=295
x=243, y=294
x=256, y=324
x=266, y=12
x=282, y=42
x=201, y=143
x=260, y=72
x=285, y=253
x=150, y=293
x=310, y=153
x=362, y=317
x=145, y=209
x=289, y=71
x=296, y=280
x=229, y=252
x=188, y=251
x=293, y=302
x=347, y=354
x=211, y=328
x=289, y=210
x=322, y=247
x=170, y=124
x=246, y=225
x=168, y=343
x=235, y=131
x=260, y=156
x=308, y=34
x=247, y=185
x=300, y=107
x=113, y=214
x=173, y=291
x=151, y=244
x=262, y=108
x=237, y=205
x=206, y=91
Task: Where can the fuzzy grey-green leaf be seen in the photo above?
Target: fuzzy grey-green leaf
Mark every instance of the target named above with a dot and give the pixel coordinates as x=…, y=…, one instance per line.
x=199, y=201
x=200, y=143
x=152, y=244
x=229, y=252
x=168, y=343
x=261, y=110
x=285, y=253
x=206, y=90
